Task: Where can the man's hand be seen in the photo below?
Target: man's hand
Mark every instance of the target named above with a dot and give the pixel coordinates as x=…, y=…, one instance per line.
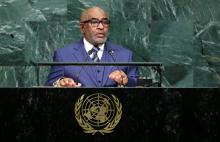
x=119, y=76
x=68, y=82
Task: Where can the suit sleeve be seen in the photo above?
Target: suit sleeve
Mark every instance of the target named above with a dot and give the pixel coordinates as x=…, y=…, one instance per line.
x=132, y=73
x=56, y=72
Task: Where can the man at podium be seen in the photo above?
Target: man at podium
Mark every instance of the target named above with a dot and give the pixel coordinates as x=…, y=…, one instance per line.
x=93, y=47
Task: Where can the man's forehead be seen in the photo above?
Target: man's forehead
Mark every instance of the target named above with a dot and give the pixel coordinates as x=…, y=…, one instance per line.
x=95, y=12
x=97, y=17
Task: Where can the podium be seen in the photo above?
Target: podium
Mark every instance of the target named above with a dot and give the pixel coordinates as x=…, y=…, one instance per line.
x=148, y=114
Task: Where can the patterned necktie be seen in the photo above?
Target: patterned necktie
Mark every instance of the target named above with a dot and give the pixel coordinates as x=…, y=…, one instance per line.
x=95, y=57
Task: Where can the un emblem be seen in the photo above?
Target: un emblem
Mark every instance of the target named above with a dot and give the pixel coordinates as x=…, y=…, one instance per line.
x=98, y=113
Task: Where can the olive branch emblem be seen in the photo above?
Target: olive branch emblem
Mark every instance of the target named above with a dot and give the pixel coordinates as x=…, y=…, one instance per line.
x=90, y=129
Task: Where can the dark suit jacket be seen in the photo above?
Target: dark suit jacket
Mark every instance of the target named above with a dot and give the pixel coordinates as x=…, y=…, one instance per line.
x=91, y=76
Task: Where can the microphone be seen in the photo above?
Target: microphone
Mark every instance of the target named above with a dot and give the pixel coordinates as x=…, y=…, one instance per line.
x=90, y=52
x=111, y=52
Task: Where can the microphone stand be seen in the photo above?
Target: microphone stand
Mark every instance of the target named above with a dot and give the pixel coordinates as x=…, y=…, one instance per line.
x=111, y=54
x=78, y=74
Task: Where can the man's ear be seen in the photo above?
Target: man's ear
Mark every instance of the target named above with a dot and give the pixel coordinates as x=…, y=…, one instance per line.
x=82, y=29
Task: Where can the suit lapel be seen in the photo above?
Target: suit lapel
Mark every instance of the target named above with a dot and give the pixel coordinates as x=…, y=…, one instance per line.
x=79, y=52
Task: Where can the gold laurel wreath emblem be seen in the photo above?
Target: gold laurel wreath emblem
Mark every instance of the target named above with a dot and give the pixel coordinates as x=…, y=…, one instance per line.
x=88, y=128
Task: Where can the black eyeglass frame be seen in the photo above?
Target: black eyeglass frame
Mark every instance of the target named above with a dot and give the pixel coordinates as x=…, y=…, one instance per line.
x=99, y=21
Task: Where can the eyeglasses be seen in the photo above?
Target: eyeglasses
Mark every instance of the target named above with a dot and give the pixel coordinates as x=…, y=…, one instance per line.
x=95, y=22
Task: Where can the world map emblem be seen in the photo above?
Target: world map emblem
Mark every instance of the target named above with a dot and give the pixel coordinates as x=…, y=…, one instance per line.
x=98, y=113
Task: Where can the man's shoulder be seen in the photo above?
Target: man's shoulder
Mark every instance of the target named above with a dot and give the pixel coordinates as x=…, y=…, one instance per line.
x=117, y=47
x=69, y=47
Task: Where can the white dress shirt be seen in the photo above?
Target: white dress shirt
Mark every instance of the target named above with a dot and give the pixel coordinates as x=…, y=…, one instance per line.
x=89, y=46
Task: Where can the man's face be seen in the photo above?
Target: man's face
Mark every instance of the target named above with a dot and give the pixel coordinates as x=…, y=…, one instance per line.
x=95, y=27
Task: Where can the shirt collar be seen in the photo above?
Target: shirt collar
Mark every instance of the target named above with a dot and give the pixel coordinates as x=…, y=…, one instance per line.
x=88, y=46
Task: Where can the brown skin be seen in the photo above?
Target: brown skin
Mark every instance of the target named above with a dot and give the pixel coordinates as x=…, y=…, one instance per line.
x=96, y=36
x=119, y=76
